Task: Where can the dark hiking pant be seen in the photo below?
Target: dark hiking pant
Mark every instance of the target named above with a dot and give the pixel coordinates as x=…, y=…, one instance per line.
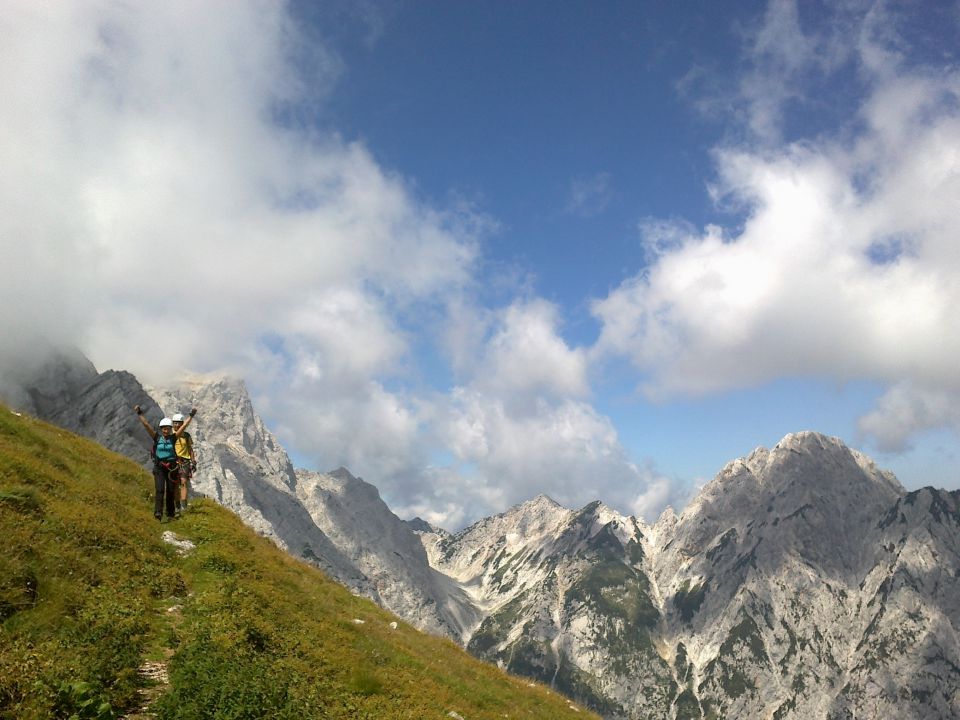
x=164, y=482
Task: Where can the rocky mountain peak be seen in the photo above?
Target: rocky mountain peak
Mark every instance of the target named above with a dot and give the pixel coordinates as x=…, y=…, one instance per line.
x=606, y=514
x=467, y=555
x=542, y=506
x=220, y=391
x=525, y=522
x=421, y=526
x=809, y=502
x=543, y=500
x=662, y=530
x=813, y=468
x=341, y=482
x=60, y=385
x=341, y=473
x=224, y=383
x=226, y=417
x=801, y=464
x=42, y=380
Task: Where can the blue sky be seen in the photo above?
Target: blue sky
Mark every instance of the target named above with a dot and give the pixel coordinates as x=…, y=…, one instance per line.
x=479, y=251
x=564, y=124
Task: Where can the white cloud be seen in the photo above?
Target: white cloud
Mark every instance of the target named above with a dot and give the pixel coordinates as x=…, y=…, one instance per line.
x=564, y=449
x=785, y=57
x=521, y=425
x=846, y=266
x=322, y=374
x=146, y=177
x=526, y=355
x=156, y=209
x=906, y=409
x=657, y=494
x=342, y=336
x=784, y=60
x=780, y=51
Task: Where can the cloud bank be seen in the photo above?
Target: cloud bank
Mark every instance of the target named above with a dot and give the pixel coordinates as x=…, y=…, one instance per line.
x=846, y=261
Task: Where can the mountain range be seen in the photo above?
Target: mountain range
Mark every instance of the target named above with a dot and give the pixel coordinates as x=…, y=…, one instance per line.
x=802, y=582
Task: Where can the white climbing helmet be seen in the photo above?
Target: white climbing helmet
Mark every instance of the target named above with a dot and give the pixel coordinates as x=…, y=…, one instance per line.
x=166, y=422
x=178, y=418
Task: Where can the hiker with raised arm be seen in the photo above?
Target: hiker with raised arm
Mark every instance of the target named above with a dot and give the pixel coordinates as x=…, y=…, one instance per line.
x=187, y=461
x=165, y=465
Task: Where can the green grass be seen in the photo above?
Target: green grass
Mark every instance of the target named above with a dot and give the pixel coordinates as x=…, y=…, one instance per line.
x=89, y=592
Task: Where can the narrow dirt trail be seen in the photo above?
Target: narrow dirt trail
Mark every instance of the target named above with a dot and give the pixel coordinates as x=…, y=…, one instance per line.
x=155, y=673
x=157, y=682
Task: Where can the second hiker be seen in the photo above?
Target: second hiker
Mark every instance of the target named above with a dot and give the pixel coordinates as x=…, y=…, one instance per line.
x=186, y=460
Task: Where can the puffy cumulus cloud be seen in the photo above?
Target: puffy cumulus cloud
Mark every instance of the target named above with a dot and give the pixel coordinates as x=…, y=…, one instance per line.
x=526, y=356
x=322, y=372
x=786, y=55
x=341, y=336
x=521, y=424
x=374, y=432
x=907, y=408
x=452, y=498
x=161, y=207
x=846, y=264
x=149, y=175
x=564, y=449
x=658, y=493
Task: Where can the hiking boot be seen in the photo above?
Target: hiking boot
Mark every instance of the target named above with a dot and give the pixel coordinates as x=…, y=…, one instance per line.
x=158, y=516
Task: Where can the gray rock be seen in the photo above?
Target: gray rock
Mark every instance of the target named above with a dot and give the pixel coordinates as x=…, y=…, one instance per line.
x=62, y=386
x=103, y=411
x=43, y=379
x=388, y=552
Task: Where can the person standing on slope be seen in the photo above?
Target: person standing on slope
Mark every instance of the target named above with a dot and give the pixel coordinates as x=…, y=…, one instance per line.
x=165, y=464
x=186, y=460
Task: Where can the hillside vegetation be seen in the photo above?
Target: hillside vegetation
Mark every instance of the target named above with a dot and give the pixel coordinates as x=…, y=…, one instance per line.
x=94, y=603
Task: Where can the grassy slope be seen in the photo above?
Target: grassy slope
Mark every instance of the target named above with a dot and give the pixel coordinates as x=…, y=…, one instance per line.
x=89, y=592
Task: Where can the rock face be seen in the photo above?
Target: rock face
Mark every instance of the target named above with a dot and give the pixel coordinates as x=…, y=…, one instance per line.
x=63, y=387
x=387, y=551
x=567, y=600
x=52, y=380
x=103, y=411
x=765, y=580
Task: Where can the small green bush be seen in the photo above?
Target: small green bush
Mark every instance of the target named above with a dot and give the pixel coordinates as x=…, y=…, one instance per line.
x=79, y=700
